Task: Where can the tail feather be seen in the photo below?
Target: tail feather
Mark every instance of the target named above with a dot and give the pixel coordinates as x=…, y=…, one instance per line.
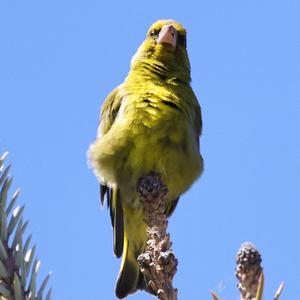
x=135, y=237
x=141, y=284
x=129, y=275
x=129, y=239
x=116, y=216
x=118, y=224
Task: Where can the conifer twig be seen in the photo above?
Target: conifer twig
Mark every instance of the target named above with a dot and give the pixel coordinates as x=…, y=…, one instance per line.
x=18, y=265
x=158, y=263
x=249, y=271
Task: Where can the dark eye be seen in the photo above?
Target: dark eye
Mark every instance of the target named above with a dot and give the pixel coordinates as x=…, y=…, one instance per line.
x=182, y=39
x=154, y=33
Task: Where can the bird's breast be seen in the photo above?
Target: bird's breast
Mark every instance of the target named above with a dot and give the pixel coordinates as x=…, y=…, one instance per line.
x=150, y=134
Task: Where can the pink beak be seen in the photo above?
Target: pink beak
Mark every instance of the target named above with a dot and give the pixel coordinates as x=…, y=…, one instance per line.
x=168, y=35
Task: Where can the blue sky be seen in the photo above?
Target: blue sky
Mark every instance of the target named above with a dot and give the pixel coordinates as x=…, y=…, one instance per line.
x=59, y=60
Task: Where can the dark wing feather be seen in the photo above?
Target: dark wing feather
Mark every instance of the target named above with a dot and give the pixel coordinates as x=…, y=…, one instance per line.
x=171, y=207
x=103, y=192
x=198, y=123
x=114, y=205
x=110, y=206
x=109, y=111
x=118, y=225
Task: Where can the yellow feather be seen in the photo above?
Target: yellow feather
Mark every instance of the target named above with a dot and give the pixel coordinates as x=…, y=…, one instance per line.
x=150, y=123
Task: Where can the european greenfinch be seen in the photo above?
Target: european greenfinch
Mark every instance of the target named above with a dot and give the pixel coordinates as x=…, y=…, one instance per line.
x=149, y=123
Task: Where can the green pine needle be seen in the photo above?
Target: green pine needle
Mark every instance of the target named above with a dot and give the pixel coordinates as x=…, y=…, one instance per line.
x=279, y=291
x=260, y=288
x=18, y=273
x=214, y=295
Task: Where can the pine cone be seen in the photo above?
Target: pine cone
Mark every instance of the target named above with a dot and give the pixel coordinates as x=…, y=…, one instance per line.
x=248, y=270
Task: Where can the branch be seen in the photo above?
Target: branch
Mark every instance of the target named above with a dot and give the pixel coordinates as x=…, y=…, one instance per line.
x=158, y=263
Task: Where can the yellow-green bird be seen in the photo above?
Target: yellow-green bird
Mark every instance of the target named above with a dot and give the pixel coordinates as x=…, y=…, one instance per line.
x=149, y=123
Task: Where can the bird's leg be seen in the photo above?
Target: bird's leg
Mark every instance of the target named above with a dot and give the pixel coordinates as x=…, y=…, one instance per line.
x=158, y=263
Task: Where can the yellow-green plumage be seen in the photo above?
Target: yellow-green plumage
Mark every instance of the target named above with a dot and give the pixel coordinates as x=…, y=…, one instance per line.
x=149, y=123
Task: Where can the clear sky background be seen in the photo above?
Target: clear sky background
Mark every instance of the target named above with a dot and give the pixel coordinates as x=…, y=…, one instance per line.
x=59, y=60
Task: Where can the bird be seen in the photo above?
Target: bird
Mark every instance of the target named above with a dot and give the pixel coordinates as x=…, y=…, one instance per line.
x=149, y=123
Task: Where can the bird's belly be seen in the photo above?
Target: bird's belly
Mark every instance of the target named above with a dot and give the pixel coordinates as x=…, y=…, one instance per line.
x=130, y=151
x=178, y=162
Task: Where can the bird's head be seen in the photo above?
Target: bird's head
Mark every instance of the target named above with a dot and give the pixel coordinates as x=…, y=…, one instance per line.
x=164, y=50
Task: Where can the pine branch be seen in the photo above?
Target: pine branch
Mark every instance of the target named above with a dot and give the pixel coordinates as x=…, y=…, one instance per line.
x=18, y=265
x=158, y=263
